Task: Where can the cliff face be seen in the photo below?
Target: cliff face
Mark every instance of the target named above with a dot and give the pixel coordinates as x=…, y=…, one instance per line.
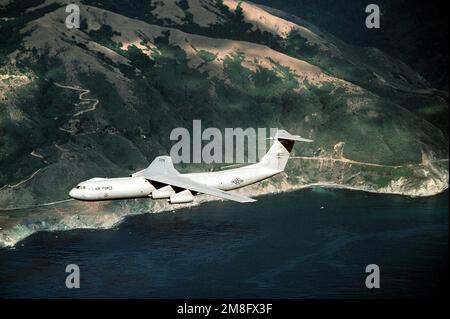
x=102, y=100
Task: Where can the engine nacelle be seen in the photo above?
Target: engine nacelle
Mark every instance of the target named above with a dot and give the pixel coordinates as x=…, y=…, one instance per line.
x=163, y=192
x=182, y=197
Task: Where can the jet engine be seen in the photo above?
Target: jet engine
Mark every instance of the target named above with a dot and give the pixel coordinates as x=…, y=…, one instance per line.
x=163, y=192
x=181, y=197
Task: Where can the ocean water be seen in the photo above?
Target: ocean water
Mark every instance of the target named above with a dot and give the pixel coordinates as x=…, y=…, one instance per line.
x=312, y=243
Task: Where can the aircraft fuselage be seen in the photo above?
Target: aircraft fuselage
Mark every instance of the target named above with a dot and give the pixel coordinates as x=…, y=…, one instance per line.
x=135, y=187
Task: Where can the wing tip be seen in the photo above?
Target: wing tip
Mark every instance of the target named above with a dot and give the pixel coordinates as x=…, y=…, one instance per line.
x=248, y=200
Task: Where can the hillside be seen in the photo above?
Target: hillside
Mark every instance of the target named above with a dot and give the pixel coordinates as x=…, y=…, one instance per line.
x=412, y=30
x=102, y=100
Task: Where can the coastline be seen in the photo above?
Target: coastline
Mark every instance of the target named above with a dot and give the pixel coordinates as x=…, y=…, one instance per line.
x=107, y=215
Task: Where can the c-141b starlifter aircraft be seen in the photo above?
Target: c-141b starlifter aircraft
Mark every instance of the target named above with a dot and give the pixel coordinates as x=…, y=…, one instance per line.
x=161, y=180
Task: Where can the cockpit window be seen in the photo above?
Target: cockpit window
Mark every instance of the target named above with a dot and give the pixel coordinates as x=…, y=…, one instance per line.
x=77, y=187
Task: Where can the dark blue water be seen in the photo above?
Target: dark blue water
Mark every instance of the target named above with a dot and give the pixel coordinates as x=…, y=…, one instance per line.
x=281, y=246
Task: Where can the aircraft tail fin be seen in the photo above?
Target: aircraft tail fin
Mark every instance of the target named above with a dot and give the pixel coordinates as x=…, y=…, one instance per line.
x=161, y=165
x=278, y=154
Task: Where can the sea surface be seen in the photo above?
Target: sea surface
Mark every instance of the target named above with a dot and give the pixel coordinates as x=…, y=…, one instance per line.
x=312, y=243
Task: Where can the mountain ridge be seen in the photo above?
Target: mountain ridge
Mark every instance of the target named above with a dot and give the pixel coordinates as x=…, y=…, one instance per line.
x=143, y=77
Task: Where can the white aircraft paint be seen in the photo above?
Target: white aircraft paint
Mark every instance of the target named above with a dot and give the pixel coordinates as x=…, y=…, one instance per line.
x=162, y=180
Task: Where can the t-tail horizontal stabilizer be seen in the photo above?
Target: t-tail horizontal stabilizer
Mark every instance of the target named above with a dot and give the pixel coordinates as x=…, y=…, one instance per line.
x=284, y=135
x=278, y=154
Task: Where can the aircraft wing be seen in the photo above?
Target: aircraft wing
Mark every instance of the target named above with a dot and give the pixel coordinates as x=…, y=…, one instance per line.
x=182, y=182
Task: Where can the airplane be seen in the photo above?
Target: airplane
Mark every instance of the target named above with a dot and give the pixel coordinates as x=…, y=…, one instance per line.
x=160, y=180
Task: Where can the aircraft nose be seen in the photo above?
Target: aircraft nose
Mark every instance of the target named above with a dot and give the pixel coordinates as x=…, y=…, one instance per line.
x=73, y=193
